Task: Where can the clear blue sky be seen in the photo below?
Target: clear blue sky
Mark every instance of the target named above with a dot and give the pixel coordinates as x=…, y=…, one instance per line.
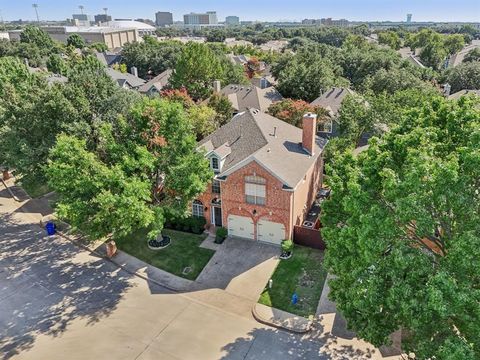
x=395, y=10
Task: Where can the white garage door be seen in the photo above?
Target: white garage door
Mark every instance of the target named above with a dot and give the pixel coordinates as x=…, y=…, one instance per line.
x=240, y=226
x=270, y=232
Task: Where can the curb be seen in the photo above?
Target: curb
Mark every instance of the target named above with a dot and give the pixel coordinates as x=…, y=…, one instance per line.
x=14, y=197
x=278, y=325
x=112, y=260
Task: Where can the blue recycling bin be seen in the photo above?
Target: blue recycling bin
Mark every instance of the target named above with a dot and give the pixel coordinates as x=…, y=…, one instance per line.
x=51, y=228
x=294, y=299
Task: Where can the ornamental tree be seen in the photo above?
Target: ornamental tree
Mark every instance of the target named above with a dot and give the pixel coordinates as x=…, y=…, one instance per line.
x=292, y=111
x=403, y=236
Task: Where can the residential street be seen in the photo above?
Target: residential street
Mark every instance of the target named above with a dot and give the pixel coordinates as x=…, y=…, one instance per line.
x=60, y=302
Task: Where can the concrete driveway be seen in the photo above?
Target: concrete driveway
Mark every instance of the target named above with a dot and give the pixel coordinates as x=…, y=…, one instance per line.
x=241, y=267
x=60, y=302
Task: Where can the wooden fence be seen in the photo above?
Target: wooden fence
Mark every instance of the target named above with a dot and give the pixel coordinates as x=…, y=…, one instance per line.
x=308, y=237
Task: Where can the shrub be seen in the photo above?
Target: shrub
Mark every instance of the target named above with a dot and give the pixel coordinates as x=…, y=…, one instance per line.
x=287, y=245
x=191, y=224
x=221, y=235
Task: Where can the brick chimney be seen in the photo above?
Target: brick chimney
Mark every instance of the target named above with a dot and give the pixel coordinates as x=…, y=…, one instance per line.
x=309, y=126
x=134, y=71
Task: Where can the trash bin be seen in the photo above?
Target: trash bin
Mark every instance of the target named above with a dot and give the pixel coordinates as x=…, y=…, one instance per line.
x=51, y=228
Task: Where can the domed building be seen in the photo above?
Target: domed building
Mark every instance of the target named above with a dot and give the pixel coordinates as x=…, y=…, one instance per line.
x=142, y=28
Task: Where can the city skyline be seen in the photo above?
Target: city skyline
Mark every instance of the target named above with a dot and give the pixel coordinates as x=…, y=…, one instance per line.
x=373, y=10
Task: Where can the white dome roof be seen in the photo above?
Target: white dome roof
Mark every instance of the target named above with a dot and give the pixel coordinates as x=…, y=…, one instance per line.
x=131, y=24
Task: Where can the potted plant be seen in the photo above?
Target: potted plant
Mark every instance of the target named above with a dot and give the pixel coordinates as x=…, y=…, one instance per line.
x=287, y=249
x=220, y=235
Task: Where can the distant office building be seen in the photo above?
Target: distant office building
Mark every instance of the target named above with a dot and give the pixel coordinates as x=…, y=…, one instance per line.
x=331, y=22
x=80, y=20
x=163, y=18
x=311, y=21
x=102, y=18
x=113, y=37
x=232, y=20
x=409, y=18
x=208, y=18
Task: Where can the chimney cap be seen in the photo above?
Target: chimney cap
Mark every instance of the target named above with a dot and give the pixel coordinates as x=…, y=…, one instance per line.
x=310, y=115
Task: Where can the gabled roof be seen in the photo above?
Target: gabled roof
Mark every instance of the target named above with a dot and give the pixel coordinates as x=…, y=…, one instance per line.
x=461, y=93
x=272, y=143
x=122, y=78
x=332, y=99
x=108, y=58
x=238, y=59
x=158, y=82
x=457, y=59
x=244, y=97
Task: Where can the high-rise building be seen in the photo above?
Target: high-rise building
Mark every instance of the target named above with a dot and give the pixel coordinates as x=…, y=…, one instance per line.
x=163, y=18
x=208, y=18
x=102, y=18
x=232, y=20
x=409, y=18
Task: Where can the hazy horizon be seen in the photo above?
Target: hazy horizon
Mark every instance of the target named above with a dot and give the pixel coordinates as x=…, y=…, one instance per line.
x=249, y=10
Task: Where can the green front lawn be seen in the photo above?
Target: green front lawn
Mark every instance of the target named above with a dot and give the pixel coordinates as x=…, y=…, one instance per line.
x=303, y=273
x=183, y=251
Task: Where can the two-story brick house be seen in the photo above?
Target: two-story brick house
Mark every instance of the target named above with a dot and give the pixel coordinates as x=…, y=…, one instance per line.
x=267, y=174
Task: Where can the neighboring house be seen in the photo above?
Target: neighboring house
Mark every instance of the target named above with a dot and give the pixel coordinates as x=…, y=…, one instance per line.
x=238, y=59
x=109, y=58
x=125, y=80
x=157, y=84
x=457, y=59
x=461, y=93
x=407, y=54
x=244, y=97
x=267, y=175
x=274, y=45
x=231, y=42
x=331, y=101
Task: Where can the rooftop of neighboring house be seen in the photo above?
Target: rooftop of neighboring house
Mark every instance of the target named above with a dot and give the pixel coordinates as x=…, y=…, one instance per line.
x=407, y=54
x=125, y=78
x=461, y=93
x=457, y=59
x=158, y=82
x=49, y=77
x=274, y=45
x=245, y=97
x=272, y=143
x=108, y=58
x=230, y=42
x=238, y=59
x=332, y=99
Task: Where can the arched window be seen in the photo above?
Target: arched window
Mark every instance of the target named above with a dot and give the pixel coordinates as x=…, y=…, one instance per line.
x=197, y=208
x=255, y=190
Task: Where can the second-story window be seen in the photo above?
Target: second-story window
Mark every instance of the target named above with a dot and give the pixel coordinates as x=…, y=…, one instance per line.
x=325, y=126
x=215, y=165
x=255, y=190
x=216, y=187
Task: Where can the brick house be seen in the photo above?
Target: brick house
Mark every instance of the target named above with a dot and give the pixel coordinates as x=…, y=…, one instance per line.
x=267, y=174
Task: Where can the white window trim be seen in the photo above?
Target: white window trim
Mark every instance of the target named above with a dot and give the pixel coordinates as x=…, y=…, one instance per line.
x=330, y=122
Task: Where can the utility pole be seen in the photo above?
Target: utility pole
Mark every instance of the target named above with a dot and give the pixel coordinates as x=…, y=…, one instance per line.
x=35, y=6
x=81, y=7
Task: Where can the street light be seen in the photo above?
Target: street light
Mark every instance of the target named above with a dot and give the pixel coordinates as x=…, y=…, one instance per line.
x=35, y=6
x=81, y=7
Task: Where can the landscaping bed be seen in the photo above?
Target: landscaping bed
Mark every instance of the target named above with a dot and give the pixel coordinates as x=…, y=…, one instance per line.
x=302, y=274
x=183, y=252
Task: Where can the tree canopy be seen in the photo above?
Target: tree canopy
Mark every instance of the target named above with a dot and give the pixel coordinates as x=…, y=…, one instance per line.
x=402, y=233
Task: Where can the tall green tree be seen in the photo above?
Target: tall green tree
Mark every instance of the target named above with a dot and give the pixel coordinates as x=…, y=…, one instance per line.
x=76, y=41
x=403, y=236
x=196, y=70
x=465, y=76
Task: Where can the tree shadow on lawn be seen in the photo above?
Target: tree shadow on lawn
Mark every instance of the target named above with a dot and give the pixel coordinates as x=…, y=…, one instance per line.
x=44, y=286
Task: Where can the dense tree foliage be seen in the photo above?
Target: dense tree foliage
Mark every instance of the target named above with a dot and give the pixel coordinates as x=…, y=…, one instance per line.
x=390, y=38
x=76, y=41
x=292, y=111
x=142, y=167
x=472, y=55
x=464, y=76
x=403, y=235
x=151, y=57
x=198, y=67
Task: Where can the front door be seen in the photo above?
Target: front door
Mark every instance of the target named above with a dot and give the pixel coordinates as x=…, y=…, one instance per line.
x=217, y=216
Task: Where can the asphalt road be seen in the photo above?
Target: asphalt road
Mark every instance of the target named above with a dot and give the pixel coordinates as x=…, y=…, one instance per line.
x=60, y=302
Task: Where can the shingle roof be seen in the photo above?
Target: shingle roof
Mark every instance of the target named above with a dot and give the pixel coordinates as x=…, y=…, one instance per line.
x=457, y=59
x=244, y=97
x=272, y=143
x=122, y=78
x=158, y=82
x=108, y=58
x=332, y=99
x=461, y=93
